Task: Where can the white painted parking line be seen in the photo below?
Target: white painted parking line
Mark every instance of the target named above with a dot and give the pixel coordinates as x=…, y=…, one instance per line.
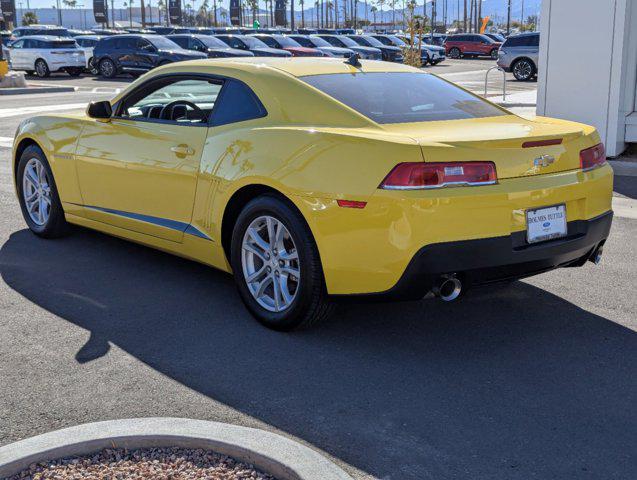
x=6, y=142
x=15, y=112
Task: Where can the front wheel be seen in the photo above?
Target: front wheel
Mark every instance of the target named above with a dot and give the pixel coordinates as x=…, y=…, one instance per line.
x=277, y=267
x=494, y=54
x=38, y=195
x=41, y=68
x=92, y=68
x=455, y=52
x=108, y=68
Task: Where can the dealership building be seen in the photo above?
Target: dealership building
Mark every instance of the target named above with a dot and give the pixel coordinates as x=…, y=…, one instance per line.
x=588, y=66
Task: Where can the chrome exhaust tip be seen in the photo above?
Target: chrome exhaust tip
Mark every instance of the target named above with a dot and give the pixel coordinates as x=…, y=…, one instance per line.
x=449, y=288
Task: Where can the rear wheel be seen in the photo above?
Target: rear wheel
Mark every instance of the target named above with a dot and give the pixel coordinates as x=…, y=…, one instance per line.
x=107, y=68
x=41, y=68
x=523, y=70
x=455, y=52
x=494, y=54
x=277, y=267
x=38, y=195
x=92, y=68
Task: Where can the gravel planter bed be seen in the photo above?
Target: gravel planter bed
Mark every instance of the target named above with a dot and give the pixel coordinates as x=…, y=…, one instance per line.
x=145, y=463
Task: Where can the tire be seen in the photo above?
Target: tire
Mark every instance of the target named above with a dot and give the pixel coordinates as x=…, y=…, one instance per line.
x=93, y=70
x=455, y=53
x=309, y=303
x=74, y=72
x=494, y=54
x=523, y=70
x=107, y=68
x=54, y=225
x=41, y=68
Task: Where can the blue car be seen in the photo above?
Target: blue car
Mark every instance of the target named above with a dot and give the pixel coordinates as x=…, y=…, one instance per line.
x=136, y=54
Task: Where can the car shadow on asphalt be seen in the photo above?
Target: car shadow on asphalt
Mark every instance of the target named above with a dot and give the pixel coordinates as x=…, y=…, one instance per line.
x=510, y=382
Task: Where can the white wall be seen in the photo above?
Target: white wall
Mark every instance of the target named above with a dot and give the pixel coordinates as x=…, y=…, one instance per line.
x=587, y=65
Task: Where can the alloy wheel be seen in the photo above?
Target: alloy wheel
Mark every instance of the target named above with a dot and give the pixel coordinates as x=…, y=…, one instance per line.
x=270, y=263
x=41, y=68
x=454, y=53
x=36, y=191
x=522, y=70
x=107, y=68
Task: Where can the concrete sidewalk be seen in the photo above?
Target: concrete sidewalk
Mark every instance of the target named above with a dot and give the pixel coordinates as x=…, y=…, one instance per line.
x=517, y=99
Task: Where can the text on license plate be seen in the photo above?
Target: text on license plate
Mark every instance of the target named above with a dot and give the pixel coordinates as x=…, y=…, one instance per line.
x=545, y=223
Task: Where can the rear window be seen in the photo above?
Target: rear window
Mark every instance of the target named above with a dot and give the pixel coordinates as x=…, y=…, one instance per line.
x=523, y=41
x=402, y=97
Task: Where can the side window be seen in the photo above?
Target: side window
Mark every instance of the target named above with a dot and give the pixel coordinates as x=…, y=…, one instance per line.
x=181, y=41
x=269, y=41
x=144, y=45
x=184, y=101
x=18, y=44
x=29, y=43
x=80, y=42
x=237, y=104
x=195, y=44
x=233, y=42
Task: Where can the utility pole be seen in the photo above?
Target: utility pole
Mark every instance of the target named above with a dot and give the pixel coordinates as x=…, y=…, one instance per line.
x=508, y=17
x=522, y=16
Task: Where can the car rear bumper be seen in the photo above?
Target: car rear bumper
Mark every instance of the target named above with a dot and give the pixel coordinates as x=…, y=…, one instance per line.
x=495, y=259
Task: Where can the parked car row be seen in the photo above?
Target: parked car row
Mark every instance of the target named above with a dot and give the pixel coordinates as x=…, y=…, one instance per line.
x=136, y=53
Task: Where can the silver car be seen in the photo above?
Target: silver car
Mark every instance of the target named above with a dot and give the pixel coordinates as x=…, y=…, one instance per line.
x=519, y=55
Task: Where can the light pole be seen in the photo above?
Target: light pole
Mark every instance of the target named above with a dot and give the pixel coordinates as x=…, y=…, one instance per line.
x=508, y=17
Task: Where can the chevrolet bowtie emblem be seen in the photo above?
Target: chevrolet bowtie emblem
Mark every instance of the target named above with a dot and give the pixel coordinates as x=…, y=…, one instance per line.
x=543, y=161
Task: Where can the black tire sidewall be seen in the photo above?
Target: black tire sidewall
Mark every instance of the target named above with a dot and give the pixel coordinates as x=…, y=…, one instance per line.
x=523, y=79
x=294, y=315
x=55, y=226
x=47, y=71
x=113, y=71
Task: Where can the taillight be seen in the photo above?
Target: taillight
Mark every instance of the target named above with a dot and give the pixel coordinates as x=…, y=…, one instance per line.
x=592, y=157
x=415, y=176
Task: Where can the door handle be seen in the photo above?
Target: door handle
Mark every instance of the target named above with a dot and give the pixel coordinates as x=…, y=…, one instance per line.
x=182, y=150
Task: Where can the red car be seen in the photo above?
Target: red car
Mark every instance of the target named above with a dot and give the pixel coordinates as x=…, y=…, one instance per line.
x=286, y=43
x=470, y=45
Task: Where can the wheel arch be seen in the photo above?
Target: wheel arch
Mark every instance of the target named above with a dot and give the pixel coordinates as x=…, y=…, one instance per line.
x=22, y=145
x=239, y=199
x=530, y=60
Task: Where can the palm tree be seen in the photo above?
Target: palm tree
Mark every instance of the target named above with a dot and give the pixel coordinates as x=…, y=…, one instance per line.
x=224, y=16
x=302, y=2
x=130, y=12
x=374, y=10
x=29, y=18
x=392, y=4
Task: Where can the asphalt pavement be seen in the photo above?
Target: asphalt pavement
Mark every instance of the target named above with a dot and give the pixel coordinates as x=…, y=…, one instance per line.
x=536, y=379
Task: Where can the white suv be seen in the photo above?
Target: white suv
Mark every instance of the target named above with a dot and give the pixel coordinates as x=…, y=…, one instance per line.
x=44, y=54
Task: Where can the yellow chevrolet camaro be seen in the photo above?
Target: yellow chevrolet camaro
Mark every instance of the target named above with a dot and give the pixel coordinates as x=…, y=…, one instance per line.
x=311, y=179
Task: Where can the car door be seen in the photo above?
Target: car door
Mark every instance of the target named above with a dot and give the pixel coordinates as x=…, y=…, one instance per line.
x=139, y=172
x=17, y=54
x=124, y=52
x=146, y=53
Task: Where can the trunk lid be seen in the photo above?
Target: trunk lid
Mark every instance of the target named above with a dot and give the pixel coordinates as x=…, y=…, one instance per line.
x=509, y=141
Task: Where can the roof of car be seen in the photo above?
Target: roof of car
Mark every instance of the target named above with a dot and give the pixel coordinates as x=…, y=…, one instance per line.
x=50, y=38
x=297, y=67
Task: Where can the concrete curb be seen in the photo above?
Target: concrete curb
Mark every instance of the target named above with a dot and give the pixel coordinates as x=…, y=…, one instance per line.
x=281, y=457
x=515, y=104
x=23, y=91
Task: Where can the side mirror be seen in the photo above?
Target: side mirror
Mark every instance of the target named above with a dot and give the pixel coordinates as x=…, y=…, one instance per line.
x=99, y=110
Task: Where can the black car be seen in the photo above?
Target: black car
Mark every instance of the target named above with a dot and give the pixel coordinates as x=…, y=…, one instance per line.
x=252, y=44
x=211, y=46
x=390, y=53
x=312, y=41
x=342, y=41
x=136, y=54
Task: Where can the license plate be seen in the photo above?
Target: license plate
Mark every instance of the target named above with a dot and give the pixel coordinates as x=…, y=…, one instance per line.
x=545, y=223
